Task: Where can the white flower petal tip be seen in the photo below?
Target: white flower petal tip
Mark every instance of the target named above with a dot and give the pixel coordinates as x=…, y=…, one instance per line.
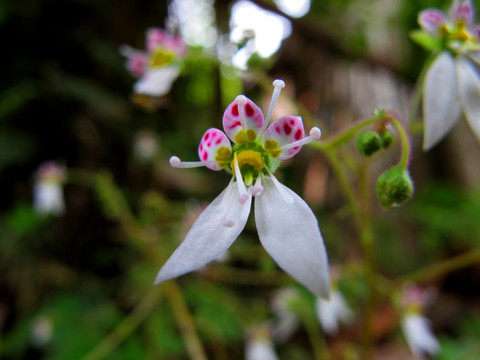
x=419, y=336
x=290, y=234
x=331, y=312
x=174, y=161
x=469, y=92
x=209, y=236
x=279, y=83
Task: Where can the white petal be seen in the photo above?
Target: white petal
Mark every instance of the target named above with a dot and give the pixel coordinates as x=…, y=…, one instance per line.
x=290, y=234
x=469, y=90
x=209, y=236
x=331, y=312
x=157, y=82
x=260, y=349
x=441, y=106
x=419, y=337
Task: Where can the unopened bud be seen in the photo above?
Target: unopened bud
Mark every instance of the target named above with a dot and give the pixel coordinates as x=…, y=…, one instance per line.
x=368, y=143
x=394, y=187
x=387, y=138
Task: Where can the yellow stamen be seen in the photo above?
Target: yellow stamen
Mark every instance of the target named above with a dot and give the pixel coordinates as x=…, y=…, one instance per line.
x=272, y=147
x=222, y=156
x=461, y=32
x=245, y=136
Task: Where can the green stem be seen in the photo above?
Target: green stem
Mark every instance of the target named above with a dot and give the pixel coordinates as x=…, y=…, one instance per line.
x=404, y=141
x=443, y=267
x=126, y=327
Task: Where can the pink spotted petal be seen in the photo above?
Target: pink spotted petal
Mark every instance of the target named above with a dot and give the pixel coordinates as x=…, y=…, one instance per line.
x=211, y=142
x=136, y=63
x=242, y=114
x=431, y=20
x=286, y=130
x=463, y=10
x=155, y=39
x=176, y=45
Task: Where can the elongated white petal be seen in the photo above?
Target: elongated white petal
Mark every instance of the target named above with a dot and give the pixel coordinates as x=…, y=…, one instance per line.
x=441, y=106
x=290, y=234
x=419, y=337
x=214, y=231
x=469, y=90
x=333, y=311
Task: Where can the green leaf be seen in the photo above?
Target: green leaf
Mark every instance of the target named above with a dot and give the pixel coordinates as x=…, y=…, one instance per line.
x=426, y=41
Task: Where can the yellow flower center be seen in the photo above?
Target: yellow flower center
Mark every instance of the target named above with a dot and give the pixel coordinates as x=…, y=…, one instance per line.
x=273, y=148
x=245, y=136
x=249, y=157
x=161, y=58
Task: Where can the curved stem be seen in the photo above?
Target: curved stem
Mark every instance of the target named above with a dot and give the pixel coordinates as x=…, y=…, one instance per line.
x=404, y=141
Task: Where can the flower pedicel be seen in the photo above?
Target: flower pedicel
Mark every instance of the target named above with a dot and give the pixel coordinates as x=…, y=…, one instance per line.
x=287, y=227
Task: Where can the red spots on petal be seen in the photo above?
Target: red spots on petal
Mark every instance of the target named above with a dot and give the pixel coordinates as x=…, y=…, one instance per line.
x=292, y=122
x=277, y=129
x=235, y=110
x=209, y=144
x=249, y=110
x=235, y=124
x=287, y=128
x=206, y=136
x=298, y=134
x=219, y=140
x=201, y=147
x=205, y=156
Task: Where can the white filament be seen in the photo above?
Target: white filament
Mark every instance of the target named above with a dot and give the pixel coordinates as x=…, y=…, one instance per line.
x=242, y=190
x=257, y=189
x=315, y=134
x=278, y=84
x=175, y=162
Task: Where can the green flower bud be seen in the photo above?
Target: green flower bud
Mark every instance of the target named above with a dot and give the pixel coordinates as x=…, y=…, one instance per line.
x=394, y=187
x=387, y=139
x=369, y=142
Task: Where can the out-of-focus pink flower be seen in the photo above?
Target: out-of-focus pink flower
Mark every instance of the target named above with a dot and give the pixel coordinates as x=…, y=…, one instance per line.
x=157, y=67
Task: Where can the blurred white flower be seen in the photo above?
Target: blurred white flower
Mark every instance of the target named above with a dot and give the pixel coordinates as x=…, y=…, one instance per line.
x=47, y=189
x=145, y=145
x=259, y=345
x=286, y=320
x=452, y=82
x=158, y=66
x=415, y=326
x=331, y=312
x=41, y=330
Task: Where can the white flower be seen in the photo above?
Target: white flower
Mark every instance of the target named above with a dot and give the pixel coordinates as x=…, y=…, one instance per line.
x=159, y=66
x=287, y=228
x=47, y=190
x=41, y=330
x=259, y=345
x=418, y=334
x=332, y=312
x=415, y=326
x=452, y=82
x=286, y=320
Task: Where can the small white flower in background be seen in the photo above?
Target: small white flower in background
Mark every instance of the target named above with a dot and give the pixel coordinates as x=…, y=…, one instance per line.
x=415, y=326
x=145, y=145
x=287, y=228
x=47, y=189
x=259, y=345
x=41, y=331
x=157, y=67
x=452, y=83
x=331, y=312
x=286, y=320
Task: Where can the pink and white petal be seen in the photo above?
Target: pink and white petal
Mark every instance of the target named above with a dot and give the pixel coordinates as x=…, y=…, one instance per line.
x=157, y=82
x=243, y=120
x=210, y=148
x=463, y=10
x=431, y=20
x=469, y=91
x=441, y=105
x=154, y=39
x=289, y=232
x=176, y=45
x=137, y=63
x=284, y=131
x=213, y=232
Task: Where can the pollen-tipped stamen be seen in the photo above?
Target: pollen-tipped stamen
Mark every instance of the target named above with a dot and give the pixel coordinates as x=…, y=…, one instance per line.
x=315, y=134
x=242, y=190
x=175, y=162
x=278, y=84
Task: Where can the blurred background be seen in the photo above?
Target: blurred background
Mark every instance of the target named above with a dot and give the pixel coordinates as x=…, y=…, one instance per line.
x=79, y=285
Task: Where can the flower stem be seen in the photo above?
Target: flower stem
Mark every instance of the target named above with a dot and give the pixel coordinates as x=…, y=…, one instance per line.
x=443, y=267
x=404, y=141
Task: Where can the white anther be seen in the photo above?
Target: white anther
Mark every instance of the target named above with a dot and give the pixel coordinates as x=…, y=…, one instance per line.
x=242, y=190
x=315, y=133
x=279, y=83
x=241, y=99
x=174, y=161
x=256, y=189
